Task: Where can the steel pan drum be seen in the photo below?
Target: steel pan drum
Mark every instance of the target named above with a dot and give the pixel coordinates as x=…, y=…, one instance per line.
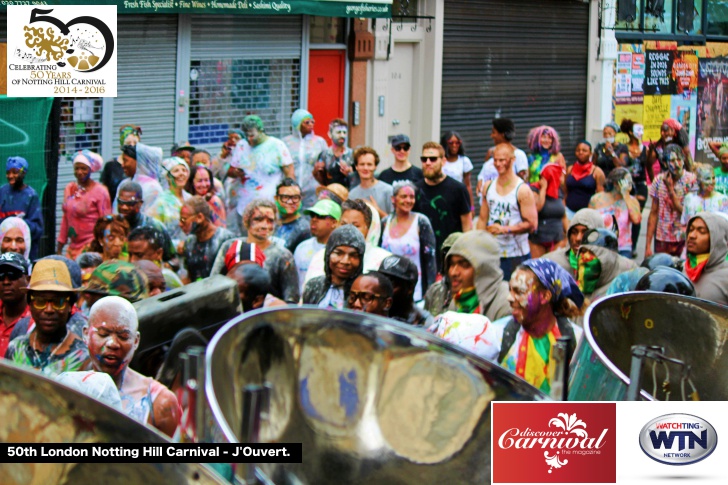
x=691, y=330
x=35, y=409
x=372, y=400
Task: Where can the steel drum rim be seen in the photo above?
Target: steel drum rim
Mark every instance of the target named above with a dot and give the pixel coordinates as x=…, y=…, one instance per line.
x=604, y=360
x=219, y=416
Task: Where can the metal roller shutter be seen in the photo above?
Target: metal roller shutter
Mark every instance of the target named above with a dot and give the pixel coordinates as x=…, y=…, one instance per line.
x=523, y=59
x=147, y=73
x=243, y=65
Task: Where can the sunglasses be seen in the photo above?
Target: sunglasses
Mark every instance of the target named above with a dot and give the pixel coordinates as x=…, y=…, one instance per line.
x=11, y=275
x=365, y=297
x=57, y=302
x=402, y=148
x=127, y=202
x=429, y=159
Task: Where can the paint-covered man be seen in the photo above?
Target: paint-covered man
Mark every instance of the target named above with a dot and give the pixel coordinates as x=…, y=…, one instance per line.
x=334, y=165
x=112, y=336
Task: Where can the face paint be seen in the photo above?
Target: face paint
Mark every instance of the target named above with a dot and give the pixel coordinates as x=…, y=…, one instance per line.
x=706, y=180
x=675, y=164
x=638, y=131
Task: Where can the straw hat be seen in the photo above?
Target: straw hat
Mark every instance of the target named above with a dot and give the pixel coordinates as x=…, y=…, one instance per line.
x=50, y=275
x=337, y=189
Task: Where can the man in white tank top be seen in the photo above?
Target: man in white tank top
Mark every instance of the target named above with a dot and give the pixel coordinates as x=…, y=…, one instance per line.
x=508, y=211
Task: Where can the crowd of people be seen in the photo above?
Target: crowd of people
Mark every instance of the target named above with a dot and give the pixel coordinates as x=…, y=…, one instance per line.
x=294, y=221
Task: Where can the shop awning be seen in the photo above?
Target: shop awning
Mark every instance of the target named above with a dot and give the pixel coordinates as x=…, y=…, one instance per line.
x=323, y=8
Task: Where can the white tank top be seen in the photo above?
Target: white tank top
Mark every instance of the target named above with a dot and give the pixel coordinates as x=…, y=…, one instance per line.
x=505, y=210
x=407, y=246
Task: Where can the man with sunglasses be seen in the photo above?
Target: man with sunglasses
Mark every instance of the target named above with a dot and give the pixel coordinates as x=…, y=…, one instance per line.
x=292, y=228
x=444, y=200
x=14, y=269
x=371, y=293
x=50, y=347
x=129, y=202
x=401, y=169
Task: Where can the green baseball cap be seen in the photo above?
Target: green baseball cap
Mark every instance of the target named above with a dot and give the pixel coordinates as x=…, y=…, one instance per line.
x=118, y=278
x=325, y=208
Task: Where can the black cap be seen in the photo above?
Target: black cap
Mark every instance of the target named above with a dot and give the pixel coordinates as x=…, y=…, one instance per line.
x=666, y=280
x=399, y=267
x=15, y=260
x=398, y=140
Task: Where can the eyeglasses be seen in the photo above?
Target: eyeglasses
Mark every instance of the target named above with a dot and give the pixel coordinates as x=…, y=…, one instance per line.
x=127, y=202
x=402, y=148
x=429, y=159
x=57, y=302
x=11, y=275
x=289, y=198
x=365, y=297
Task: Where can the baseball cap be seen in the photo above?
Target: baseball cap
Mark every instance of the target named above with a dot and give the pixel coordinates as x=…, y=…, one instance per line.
x=183, y=145
x=15, y=260
x=325, y=208
x=399, y=267
x=117, y=278
x=50, y=275
x=400, y=140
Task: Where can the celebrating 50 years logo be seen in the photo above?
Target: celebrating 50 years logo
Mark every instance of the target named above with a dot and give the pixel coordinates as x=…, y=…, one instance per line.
x=62, y=51
x=561, y=442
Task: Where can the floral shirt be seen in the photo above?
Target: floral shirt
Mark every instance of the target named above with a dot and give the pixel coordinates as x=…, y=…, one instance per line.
x=70, y=355
x=669, y=226
x=263, y=166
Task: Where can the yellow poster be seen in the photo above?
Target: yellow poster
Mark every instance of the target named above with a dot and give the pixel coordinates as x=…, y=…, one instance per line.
x=628, y=111
x=656, y=109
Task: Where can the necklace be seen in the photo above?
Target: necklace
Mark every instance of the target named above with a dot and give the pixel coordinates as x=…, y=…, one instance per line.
x=33, y=343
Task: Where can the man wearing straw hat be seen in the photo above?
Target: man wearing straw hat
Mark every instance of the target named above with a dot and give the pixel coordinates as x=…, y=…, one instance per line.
x=50, y=347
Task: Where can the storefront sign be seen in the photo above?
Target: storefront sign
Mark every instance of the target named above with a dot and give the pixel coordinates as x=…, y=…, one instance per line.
x=324, y=8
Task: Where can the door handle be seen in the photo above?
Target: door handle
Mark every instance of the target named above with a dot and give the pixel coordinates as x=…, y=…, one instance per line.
x=395, y=122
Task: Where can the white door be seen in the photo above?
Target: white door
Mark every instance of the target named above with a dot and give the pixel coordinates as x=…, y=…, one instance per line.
x=400, y=89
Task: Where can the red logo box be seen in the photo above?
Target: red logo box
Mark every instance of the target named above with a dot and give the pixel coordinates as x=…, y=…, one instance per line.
x=539, y=442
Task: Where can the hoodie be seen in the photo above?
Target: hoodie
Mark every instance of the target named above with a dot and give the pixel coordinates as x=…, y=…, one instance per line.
x=316, y=288
x=481, y=250
x=713, y=282
x=585, y=217
x=612, y=266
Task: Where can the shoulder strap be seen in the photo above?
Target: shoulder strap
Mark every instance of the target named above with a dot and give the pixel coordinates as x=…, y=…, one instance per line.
x=509, y=337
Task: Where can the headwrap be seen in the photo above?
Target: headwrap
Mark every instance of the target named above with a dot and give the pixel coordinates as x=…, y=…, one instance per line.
x=171, y=162
x=148, y=160
x=375, y=227
x=238, y=132
x=555, y=279
x=16, y=162
x=92, y=160
x=723, y=149
x=17, y=223
x=613, y=126
x=673, y=123
x=552, y=173
x=127, y=130
x=298, y=117
x=240, y=251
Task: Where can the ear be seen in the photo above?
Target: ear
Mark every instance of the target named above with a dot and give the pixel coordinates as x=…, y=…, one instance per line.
x=388, y=304
x=158, y=254
x=137, y=339
x=84, y=331
x=258, y=302
x=546, y=296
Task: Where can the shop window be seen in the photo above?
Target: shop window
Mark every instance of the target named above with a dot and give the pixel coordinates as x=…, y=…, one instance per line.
x=629, y=13
x=223, y=92
x=327, y=30
x=717, y=11
x=80, y=126
x=671, y=17
x=658, y=16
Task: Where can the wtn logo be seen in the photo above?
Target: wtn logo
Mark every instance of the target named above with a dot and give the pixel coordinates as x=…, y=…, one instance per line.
x=678, y=439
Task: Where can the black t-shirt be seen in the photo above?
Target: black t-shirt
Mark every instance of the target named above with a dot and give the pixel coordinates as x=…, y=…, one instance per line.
x=413, y=174
x=443, y=204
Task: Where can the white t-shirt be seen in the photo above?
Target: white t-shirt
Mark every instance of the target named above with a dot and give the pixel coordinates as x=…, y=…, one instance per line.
x=457, y=168
x=488, y=172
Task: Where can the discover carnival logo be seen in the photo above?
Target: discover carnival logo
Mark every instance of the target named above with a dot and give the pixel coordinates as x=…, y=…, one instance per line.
x=62, y=50
x=678, y=439
x=560, y=442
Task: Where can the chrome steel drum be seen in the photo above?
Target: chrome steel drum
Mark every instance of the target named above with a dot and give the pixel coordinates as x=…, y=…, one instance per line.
x=691, y=330
x=372, y=400
x=35, y=409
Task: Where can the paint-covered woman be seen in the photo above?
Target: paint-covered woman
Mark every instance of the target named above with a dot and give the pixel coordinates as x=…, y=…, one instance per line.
x=545, y=146
x=671, y=131
x=635, y=160
x=84, y=202
x=110, y=237
x=305, y=147
x=545, y=300
x=201, y=183
x=167, y=206
x=583, y=180
x=617, y=204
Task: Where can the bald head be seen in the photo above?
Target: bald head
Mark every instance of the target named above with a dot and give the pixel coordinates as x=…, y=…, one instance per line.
x=114, y=309
x=112, y=335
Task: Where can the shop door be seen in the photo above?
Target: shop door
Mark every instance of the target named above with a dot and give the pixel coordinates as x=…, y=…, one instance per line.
x=398, y=105
x=326, y=71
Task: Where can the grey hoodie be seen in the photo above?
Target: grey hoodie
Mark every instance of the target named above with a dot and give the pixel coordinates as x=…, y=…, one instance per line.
x=585, y=217
x=612, y=266
x=713, y=282
x=481, y=250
